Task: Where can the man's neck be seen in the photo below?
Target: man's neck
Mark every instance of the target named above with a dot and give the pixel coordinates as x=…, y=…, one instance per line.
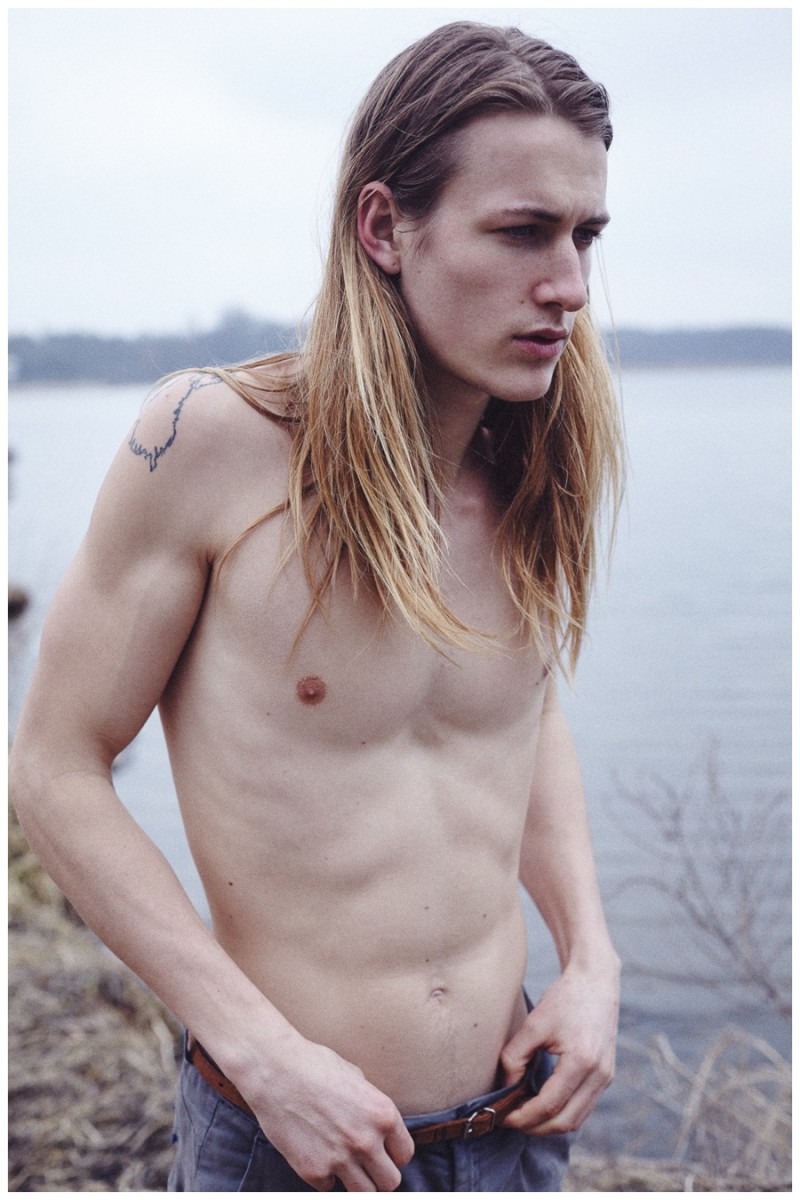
x=456, y=419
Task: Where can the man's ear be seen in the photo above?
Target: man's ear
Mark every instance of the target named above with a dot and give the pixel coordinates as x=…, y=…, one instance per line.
x=377, y=219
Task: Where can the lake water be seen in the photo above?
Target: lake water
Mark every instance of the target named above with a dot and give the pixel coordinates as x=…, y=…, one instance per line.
x=688, y=664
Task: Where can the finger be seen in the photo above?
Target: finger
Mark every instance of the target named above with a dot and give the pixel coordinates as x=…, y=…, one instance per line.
x=551, y=1099
x=382, y=1177
x=370, y=1177
x=559, y=1111
x=536, y=1112
x=517, y=1054
x=322, y=1185
x=571, y=1117
x=372, y=1172
x=400, y=1146
x=356, y=1180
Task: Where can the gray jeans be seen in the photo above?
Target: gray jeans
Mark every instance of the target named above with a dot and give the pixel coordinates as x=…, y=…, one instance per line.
x=219, y=1148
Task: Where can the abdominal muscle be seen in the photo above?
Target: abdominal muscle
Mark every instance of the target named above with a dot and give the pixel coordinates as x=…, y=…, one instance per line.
x=390, y=931
x=429, y=1035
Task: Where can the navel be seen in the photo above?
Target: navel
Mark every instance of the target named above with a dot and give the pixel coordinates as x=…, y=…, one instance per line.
x=311, y=690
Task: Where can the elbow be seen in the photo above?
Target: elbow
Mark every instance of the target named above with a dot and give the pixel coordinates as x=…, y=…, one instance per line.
x=53, y=781
x=37, y=777
x=27, y=785
x=20, y=776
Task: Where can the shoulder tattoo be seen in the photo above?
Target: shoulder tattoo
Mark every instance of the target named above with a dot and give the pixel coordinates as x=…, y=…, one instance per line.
x=153, y=455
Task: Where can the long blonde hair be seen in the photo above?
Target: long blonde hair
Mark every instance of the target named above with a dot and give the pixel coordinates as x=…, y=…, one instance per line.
x=364, y=481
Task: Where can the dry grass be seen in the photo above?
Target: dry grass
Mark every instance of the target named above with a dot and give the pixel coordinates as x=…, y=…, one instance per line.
x=726, y=1125
x=626, y=1173
x=92, y=1053
x=92, y=1071
x=732, y=1114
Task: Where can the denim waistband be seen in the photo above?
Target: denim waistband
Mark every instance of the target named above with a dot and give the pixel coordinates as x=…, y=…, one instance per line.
x=488, y=1100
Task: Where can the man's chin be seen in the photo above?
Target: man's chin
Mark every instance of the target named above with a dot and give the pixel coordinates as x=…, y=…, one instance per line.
x=528, y=394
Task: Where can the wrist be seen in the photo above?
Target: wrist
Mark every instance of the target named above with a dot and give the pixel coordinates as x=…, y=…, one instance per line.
x=596, y=957
x=250, y=1040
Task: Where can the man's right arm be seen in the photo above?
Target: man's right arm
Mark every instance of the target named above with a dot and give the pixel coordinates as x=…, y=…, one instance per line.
x=115, y=631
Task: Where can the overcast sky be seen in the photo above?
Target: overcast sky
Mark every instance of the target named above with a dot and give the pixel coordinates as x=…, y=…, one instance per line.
x=168, y=164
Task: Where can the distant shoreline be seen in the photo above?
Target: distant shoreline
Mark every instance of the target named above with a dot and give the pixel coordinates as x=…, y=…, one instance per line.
x=32, y=385
x=83, y=359
x=754, y=346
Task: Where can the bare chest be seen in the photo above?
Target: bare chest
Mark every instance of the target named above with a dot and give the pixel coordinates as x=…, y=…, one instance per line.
x=356, y=677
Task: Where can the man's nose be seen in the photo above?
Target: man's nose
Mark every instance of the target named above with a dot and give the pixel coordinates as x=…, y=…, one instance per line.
x=562, y=279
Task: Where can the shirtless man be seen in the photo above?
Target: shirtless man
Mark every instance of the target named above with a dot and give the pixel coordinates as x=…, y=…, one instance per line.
x=358, y=683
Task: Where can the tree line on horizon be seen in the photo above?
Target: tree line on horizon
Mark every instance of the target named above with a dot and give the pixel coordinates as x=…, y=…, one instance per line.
x=94, y=358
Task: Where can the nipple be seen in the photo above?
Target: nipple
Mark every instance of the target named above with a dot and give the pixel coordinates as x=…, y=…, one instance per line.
x=311, y=690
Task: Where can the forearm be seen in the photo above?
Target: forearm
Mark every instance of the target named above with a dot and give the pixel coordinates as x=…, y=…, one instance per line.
x=317, y=1109
x=126, y=891
x=576, y=1018
x=557, y=864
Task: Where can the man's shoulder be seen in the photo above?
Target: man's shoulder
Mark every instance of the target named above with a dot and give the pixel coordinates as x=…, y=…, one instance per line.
x=200, y=465
x=208, y=417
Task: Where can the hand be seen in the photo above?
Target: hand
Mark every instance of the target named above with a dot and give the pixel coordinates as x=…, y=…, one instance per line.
x=575, y=1019
x=330, y=1123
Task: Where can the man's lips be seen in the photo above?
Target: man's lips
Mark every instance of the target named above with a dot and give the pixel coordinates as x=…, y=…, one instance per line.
x=556, y=334
x=542, y=343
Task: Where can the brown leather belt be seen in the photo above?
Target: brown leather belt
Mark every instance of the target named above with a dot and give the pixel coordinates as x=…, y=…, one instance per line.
x=474, y=1125
x=205, y=1066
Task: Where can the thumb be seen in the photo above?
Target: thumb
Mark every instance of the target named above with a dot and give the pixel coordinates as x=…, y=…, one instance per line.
x=518, y=1052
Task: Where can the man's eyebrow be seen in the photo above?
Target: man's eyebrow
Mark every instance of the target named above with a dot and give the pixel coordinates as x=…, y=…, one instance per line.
x=532, y=213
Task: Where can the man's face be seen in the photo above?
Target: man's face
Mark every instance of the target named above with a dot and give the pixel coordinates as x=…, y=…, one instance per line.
x=494, y=277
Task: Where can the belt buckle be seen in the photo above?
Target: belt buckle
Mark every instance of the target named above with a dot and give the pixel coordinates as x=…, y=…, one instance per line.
x=470, y=1131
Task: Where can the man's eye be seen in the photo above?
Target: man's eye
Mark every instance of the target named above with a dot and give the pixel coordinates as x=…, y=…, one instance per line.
x=587, y=237
x=523, y=233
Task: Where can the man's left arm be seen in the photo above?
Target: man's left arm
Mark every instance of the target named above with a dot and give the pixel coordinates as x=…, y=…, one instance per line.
x=576, y=1018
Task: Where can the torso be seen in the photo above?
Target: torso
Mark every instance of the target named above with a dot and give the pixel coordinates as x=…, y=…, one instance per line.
x=355, y=806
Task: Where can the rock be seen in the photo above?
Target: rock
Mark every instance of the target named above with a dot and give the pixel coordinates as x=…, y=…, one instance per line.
x=17, y=600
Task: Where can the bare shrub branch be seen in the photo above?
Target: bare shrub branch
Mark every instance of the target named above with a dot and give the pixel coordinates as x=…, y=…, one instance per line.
x=720, y=865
